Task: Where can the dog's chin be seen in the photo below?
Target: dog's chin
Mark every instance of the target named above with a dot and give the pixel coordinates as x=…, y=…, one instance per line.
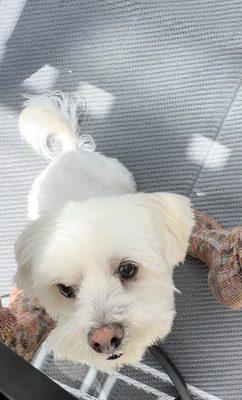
x=64, y=350
x=115, y=361
x=71, y=346
x=106, y=363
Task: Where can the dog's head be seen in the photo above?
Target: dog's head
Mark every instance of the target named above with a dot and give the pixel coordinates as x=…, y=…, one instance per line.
x=103, y=269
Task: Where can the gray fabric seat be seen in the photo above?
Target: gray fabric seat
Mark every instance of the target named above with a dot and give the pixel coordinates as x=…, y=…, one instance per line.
x=162, y=86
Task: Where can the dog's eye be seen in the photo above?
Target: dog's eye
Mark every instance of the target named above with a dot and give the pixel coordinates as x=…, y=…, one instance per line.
x=67, y=291
x=127, y=270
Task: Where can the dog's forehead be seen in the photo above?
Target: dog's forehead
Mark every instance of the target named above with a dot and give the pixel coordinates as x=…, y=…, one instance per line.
x=98, y=209
x=106, y=223
x=95, y=235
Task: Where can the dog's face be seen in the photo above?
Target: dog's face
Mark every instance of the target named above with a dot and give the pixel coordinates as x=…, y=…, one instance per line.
x=103, y=269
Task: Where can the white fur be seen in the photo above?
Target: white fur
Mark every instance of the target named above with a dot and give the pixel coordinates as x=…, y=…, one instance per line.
x=87, y=218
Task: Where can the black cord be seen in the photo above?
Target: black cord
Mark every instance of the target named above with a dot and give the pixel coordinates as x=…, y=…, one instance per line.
x=173, y=373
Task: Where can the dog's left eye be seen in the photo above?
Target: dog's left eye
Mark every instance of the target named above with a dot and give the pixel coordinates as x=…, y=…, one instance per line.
x=127, y=270
x=67, y=291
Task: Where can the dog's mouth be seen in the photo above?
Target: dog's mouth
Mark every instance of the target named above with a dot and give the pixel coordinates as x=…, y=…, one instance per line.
x=114, y=356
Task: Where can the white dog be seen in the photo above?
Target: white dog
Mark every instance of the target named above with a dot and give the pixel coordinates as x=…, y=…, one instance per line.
x=98, y=255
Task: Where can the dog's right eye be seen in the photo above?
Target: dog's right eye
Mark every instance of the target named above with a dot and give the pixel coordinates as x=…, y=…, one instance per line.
x=127, y=270
x=67, y=291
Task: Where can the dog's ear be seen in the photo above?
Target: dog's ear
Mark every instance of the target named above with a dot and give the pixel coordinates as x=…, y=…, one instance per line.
x=28, y=249
x=173, y=218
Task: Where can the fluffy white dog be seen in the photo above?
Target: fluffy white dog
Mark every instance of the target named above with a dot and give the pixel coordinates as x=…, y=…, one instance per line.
x=98, y=255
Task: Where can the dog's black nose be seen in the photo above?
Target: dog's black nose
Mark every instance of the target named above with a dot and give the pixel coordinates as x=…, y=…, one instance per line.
x=106, y=339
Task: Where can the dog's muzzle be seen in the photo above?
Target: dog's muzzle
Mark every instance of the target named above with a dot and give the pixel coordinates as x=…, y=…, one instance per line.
x=114, y=356
x=106, y=339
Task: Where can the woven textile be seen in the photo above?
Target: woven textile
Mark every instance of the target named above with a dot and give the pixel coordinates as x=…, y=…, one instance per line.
x=221, y=250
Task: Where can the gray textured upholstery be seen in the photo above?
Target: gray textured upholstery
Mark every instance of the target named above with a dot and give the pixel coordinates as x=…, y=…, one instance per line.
x=162, y=83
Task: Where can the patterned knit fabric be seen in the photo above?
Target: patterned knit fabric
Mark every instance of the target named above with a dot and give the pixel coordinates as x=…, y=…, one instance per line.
x=221, y=250
x=24, y=325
